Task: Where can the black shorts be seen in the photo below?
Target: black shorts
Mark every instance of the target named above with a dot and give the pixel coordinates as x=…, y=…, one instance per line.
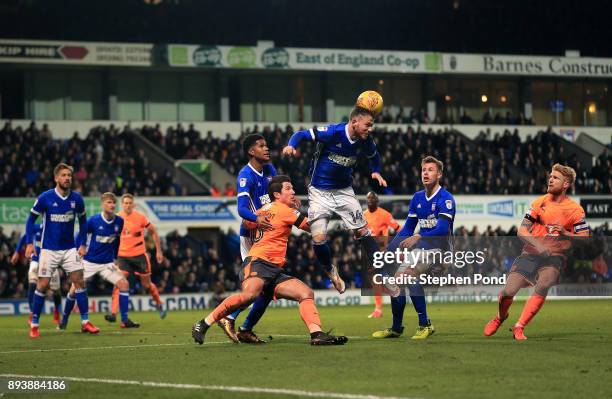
x=137, y=264
x=271, y=274
x=529, y=265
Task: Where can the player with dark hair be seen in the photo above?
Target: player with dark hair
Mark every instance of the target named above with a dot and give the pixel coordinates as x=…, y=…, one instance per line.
x=263, y=268
x=330, y=191
x=252, y=184
x=551, y=218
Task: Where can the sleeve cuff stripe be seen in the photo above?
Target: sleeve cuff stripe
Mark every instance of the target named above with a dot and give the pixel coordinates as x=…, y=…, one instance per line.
x=34, y=212
x=448, y=215
x=243, y=193
x=299, y=220
x=412, y=215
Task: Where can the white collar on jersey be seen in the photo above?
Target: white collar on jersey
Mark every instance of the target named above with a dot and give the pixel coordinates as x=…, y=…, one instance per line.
x=433, y=195
x=59, y=195
x=348, y=136
x=107, y=221
x=255, y=170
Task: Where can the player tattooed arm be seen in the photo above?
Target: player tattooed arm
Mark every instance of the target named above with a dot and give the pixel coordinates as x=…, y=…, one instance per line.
x=524, y=233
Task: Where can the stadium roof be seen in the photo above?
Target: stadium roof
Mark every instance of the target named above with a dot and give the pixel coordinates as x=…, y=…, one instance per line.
x=470, y=26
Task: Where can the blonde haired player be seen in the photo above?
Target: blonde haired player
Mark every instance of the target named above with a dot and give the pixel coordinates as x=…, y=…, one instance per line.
x=103, y=237
x=550, y=218
x=133, y=255
x=379, y=222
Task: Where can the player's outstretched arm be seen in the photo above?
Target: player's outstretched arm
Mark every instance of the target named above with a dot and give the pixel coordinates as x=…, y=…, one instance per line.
x=378, y=177
x=374, y=163
x=295, y=140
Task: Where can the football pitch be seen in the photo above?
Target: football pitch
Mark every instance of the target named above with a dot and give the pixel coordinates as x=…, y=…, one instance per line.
x=569, y=353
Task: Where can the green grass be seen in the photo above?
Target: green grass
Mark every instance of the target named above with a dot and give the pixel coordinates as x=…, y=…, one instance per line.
x=568, y=353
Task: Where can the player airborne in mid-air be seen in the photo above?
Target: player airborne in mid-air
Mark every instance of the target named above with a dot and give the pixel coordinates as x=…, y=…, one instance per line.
x=58, y=208
x=550, y=219
x=263, y=268
x=433, y=209
x=330, y=191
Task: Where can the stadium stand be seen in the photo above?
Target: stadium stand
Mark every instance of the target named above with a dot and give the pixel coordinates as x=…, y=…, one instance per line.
x=105, y=160
x=502, y=164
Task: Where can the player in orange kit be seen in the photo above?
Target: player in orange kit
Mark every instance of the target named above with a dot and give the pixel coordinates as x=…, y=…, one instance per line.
x=263, y=269
x=550, y=219
x=133, y=255
x=379, y=223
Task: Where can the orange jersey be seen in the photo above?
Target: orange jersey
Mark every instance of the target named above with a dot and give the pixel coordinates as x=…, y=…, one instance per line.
x=271, y=245
x=380, y=221
x=132, y=236
x=544, y=212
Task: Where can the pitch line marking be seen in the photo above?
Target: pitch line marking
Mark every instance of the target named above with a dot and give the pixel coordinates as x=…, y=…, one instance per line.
x=111, y=347
x=227, y=388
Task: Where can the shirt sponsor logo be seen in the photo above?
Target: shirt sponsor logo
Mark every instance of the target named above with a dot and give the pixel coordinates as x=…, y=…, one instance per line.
x=66, y=218
x=105, y=239
x=342, y=160
x=428, y=223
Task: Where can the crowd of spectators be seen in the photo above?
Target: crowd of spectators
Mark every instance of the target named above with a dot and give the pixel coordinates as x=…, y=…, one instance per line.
x=498, y=119
x=192, y=266
x=105, y=160
x=534, y=156
x=477, y=168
